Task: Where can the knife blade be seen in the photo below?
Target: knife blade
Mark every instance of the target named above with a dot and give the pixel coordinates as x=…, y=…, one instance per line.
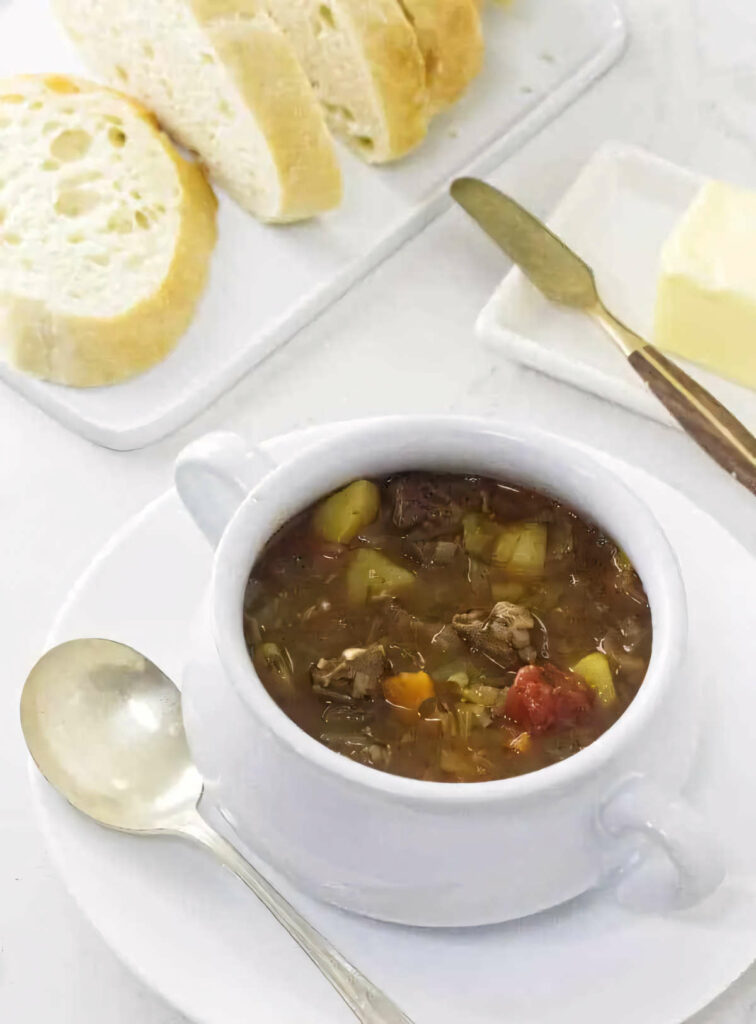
x=552, y=267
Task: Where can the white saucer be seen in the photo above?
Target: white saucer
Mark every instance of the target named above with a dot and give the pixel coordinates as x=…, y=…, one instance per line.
x=199, y=939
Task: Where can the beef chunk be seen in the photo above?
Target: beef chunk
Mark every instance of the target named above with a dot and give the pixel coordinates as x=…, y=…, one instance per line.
x=503, y=634
x=425, y=505
x=447, y=640
x=431, y=552
x=405, y=627
x=356, y=674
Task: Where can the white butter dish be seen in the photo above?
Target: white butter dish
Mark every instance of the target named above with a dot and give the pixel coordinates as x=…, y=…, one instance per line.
x=617, y=216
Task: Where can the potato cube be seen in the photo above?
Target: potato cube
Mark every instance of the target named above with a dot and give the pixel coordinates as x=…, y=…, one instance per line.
x=340, y=517
x=597, y=673
x=371, y=574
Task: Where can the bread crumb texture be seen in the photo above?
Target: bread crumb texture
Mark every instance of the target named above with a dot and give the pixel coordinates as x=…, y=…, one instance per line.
x=106, y=232
x=224, y=80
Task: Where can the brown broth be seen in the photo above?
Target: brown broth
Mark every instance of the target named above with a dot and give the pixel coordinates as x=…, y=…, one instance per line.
x=584, y=598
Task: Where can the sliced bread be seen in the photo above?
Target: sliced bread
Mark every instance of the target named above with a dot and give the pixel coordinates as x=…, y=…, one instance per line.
x=225, y=81
x=365, y=64
x=106, y=232
x=451, y=41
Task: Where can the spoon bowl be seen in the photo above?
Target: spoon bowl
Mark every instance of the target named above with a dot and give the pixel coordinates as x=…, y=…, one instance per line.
x=104, y=726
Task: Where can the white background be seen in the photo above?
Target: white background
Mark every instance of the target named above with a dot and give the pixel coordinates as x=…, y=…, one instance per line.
x=400, y=342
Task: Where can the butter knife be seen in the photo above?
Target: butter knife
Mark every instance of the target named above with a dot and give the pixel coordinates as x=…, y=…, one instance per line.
x=564, y=278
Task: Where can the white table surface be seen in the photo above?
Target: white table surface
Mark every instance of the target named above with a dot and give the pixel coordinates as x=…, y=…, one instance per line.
x=401, y=341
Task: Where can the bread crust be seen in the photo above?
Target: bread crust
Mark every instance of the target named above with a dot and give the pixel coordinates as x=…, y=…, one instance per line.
x=399, y=73
x=309, y=176
x=383, y=74
x=450, y=35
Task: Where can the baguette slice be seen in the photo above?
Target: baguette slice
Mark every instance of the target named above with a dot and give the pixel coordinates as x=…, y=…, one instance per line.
x=451, y=41
x=105, y=233
x=365, y=64
x=225, y=81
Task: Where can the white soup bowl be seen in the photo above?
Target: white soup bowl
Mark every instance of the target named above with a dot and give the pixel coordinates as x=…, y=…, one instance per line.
x=424, y=853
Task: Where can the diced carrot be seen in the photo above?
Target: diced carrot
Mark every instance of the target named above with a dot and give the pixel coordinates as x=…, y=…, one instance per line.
x=521, y=744
x=408, y=689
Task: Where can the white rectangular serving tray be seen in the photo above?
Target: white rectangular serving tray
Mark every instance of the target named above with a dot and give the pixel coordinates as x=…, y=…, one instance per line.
x=616, y=215
x=268, y=282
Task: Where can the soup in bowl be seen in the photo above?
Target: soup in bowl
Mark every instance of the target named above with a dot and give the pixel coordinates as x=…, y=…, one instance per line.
x=447, y=628
x=339, y=741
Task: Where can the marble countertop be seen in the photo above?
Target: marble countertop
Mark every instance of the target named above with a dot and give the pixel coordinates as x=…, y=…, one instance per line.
x=401, y=341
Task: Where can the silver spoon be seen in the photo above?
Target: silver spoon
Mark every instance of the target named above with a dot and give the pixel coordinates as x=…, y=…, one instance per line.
x=104, y=727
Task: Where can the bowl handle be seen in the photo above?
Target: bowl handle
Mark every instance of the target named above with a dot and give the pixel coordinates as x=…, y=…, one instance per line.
x=678, y=862
x=214, y=475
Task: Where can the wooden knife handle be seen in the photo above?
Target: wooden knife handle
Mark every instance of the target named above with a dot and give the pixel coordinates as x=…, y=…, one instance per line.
x=705, y=419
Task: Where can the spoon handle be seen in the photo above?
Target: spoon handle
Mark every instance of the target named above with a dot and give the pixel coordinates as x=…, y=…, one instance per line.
x=368, y=1003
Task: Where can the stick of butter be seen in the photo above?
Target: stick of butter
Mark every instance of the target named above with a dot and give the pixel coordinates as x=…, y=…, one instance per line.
x=706, y=300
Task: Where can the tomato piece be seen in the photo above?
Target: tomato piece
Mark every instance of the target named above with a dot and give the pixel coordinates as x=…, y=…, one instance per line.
x=573, y=702
x=530, y=701
x=543, y=697
x=573, y=698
